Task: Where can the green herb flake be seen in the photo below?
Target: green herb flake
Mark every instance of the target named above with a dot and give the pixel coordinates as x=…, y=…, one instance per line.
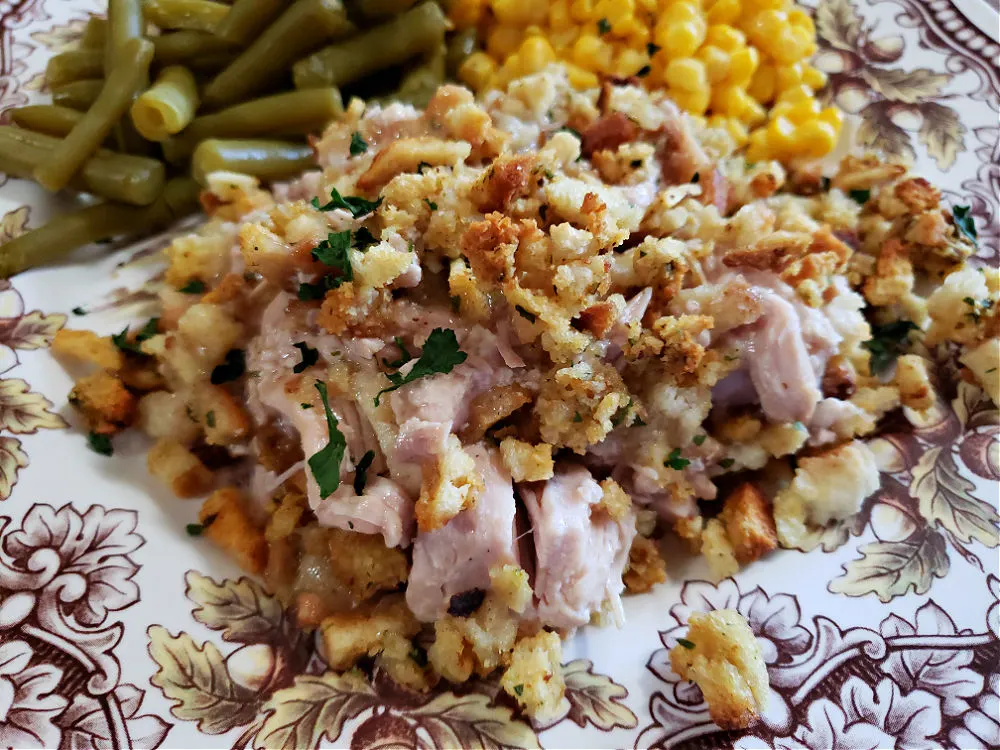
x=419, y=656
x=652, y=49
x=358, y=145
x=356, y=206
x=196, y=529
x=887, y=343
x=519, y=690
x=441, y=354
x=100, y=443
x=727, y=462
x=194, y=286
x=361, y=472
x=79, y=311
x=526, y=314
x=675, y=462
x=621, y=414
x=149, y=330
x=325, y=463
x=310, y=357
x=860, y=196
x=964, y=223
x=404, y=355
x=699, y=439
x=363, y=238
x=644, y=71
x=231, y=368
x=577, y=417
x=210, y=419
x=431, y=204
x=685, y=643
x=603, y=26
x=305, y=405
x=333, y=252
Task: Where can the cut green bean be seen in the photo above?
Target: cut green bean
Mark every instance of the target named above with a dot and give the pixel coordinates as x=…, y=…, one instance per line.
x=179, y=47
x=212, y=63
x=298, y=31
x=63, y=234
x=248, y=18
x=78, y=95
x=407, y=35
x=136, y=180
x=379, y=9
x=421, y=82
x=125, y=22
x=116, y=95
x=74, y=65
x=168, y=106
x=291, y=113
x=268, y=160
x=95, y=33
x=191, y=15
x=48, y=119
x=460, y=46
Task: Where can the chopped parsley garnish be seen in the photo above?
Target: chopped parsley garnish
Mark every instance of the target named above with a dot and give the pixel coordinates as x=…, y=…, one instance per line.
x=325, y=463
x=644, y=71
x=860, y=196
x=887, y=343
x=519, y=690
x=674, y=460
x=419, y=655
x=210, y=419
x=231, y=368
x=196, y=529
x=685, y=643
x=699, y=439
x=431, y=204
x=526, y=314
x=440, y=355
x=333, y=252
x=363, y=238
x=358, y=145
x=195, y=286
x=361, y=472
x=652, y=49
x=310, y=356
x=966, y=225
x=727, y=462
x=305, y=405
x=404, y=355
x=603, y=26
x=356, y=206
x=79, y=311
x=621, y=414
x=146, y=332
x=577, y=417
x=100, y=443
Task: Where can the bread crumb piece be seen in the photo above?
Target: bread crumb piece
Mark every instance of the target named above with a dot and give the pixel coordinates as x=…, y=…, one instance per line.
x=534, y=678
x=225, y=521
x=178, y=468
x=348, y=636
x=87, y=346
x=749, y=523
x=646, y=567
x=527, y=462
x=450, y=484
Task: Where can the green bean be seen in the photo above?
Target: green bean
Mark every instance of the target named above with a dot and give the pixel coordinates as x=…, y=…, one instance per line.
x=299, y=30
x=168, y=106
x=74, y=65
x=119, y=88
x=248, y=18
x=211, y=63
x=125, y=22
x=136, y=180
x=193, y=15
x=420, y=83
x=79, y=95
x=418, y=30
x=291, y=113
x=378, y=9
x=268, y=160
x=460, y=46
x=48, y=119
x=180, y=47
x=63, y=234
x=95, y=33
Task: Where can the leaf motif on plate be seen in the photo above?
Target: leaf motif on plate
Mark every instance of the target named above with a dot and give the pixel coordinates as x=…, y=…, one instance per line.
x=838, y=22
x=12, y=459
x=946, y=500
x=24, y=412
x=14, y=223
x=472, y=721
x=85, y=724
x=33, y=331
x=832, y=536
x=905, y=86
x=313, y=708
x=942, y=133
x=889, y=569
x=877, y=128
x=241, y=608
x=595, y=698
x=61, y=37
x=197, y=680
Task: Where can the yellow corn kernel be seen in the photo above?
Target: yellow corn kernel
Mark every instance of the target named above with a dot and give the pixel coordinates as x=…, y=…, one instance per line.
x=476, y=71
x=724, y=11
x=766, y=28
x=814, y=138
x=628, y=62
x=793, y=94
x=787, y=76
x=632, y=30
x=832, y=116
x=813, y=77
x=743, y=64
x=686, y=74
x=559, y=17
x=502, y=41
x=716, y=61
x=466, y=13
x=768, y=4
x=580, y=78
x=737, y=131
x=757, y=148
x=801, y=112
x=536, y=53
x=562, y=40
x=791, y=45
x=799, y=17
x=614, y=11
x=730, y=100
x=753, y=112
x=725, y=37
x=519, y=12
x=680, y=11
x=582, y=10
x=591, y=53
x=763, y=84
x=693, y=102
x=681, y=39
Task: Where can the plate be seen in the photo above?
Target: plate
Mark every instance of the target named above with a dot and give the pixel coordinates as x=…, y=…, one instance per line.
x=118, y=630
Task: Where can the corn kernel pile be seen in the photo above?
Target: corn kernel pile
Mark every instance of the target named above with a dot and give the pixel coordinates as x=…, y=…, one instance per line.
x=739, y=64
